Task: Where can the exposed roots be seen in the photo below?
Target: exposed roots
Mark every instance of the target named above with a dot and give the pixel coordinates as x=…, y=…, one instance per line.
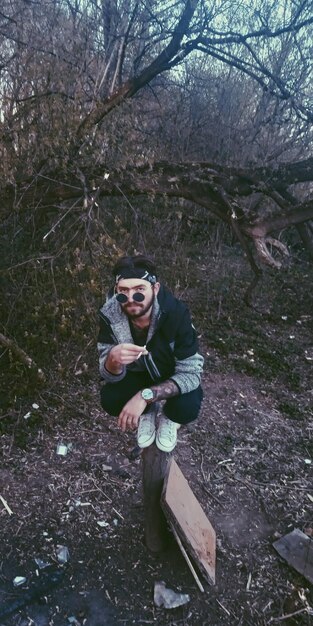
x=262, y=245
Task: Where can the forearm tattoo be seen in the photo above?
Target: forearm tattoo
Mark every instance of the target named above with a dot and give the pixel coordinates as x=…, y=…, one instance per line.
x=168, y=389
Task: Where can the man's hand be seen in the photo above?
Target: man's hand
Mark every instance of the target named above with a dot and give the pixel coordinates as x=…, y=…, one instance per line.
x=123, y=354
x=129, y=416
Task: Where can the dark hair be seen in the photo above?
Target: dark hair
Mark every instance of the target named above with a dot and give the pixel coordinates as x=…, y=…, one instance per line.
x=132, y=262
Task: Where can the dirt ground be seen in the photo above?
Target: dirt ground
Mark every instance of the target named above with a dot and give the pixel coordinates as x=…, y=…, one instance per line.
x=248, y=459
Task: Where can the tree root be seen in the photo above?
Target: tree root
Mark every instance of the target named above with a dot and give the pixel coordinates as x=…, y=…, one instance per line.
x=261, y=245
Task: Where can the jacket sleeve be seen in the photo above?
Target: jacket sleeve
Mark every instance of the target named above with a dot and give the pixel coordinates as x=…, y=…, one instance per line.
x=104, y=345
x=187, y=375
x=188, y=361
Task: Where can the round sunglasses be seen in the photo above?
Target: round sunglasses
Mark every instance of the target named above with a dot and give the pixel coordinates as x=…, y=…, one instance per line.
x=122, y=298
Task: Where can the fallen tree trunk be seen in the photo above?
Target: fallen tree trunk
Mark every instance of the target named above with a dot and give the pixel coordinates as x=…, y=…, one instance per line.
x=220, y=190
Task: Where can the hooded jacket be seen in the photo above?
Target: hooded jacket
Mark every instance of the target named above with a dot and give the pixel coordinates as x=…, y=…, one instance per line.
x=171, y=343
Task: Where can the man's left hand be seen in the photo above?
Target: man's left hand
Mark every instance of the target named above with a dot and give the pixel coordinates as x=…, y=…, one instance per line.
x=129, y=416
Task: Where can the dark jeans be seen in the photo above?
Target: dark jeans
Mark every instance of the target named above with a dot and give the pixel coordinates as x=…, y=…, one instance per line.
x=181, y=409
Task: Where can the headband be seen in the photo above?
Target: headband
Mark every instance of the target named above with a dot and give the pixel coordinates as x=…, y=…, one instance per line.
x=136, y=272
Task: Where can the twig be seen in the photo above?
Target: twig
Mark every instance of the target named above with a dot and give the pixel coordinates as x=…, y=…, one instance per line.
x=240, y=480
x=6, y=506
x=287, y=616
x=58, y=182
x=32, y=260
x=117, y=513
x=223, y=607
x=201, y=468
x=187, y=559
x=210, y=494
x=108, y=499
x=205, y=480
x=52, y=229
x=21, y=355
x=99, y=489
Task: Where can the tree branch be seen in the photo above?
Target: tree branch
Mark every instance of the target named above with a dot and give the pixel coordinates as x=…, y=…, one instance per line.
x=22, y=356
x=131, y=86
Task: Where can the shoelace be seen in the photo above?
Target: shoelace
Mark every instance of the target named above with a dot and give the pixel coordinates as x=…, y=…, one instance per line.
x=146, y=424
x=168, y=428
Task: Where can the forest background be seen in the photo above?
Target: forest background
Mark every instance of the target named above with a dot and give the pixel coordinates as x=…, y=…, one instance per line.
x=169, y=128
x=178, y=129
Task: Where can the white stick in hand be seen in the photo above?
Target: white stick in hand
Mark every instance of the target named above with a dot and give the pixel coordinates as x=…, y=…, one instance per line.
x=140, y=353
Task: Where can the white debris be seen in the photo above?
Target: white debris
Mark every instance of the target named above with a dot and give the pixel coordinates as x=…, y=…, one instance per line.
x=41, y=564
x=19, y=580
x=63, y=554
x=163, y=596
x=72, y=620
x=62, y=449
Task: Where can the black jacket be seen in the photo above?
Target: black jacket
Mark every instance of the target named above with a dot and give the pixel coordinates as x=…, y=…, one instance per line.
x=172, y=341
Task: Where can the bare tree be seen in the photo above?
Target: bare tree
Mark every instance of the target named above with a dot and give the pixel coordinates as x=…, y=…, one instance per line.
x=80, y=63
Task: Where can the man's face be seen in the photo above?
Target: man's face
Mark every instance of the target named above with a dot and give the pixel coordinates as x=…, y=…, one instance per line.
x=129, y=286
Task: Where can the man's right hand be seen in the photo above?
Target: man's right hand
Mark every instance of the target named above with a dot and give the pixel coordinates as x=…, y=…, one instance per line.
x=123, y=354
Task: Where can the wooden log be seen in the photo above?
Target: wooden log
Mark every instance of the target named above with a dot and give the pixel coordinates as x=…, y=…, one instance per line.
x=155, y=464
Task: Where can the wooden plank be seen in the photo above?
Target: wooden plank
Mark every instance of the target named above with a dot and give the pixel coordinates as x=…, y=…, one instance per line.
x=184, y=511
x=297, y=549
x=186, y=557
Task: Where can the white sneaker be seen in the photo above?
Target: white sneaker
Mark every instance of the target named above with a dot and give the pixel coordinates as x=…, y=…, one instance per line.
x=146, y=430
x=167, y=435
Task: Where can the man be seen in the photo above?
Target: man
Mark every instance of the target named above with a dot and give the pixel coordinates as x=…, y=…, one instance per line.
x=148, y=352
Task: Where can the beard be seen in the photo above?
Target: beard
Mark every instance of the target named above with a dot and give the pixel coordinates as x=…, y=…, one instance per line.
x=136, y=309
